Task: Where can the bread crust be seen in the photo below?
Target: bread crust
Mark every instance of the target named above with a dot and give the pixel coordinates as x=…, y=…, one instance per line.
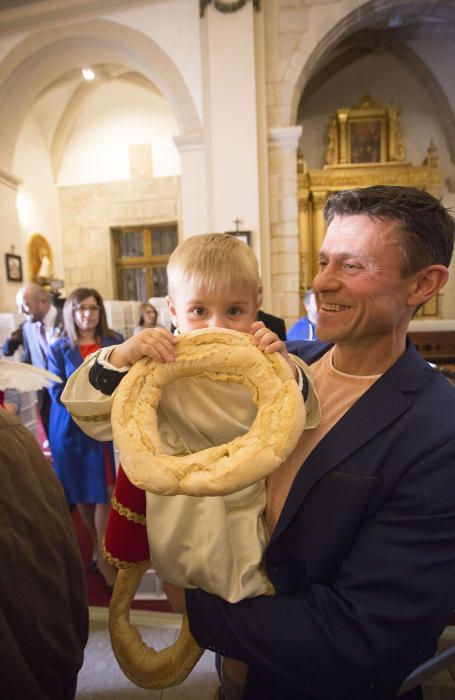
x=222, y=355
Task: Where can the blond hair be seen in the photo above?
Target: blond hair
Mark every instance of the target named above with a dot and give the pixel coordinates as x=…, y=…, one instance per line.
x=215, y=261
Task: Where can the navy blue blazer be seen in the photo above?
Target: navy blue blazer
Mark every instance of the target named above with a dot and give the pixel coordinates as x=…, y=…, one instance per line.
x=363, y=555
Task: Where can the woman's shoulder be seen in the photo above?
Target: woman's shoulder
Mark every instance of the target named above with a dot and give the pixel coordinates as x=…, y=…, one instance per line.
x=114, y=339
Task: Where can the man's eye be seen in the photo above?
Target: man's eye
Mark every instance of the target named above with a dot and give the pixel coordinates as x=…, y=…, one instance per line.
x=351, y=266
x=322, y=263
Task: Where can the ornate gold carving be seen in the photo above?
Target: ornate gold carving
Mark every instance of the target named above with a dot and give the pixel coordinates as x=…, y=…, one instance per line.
x=432, y=157
x=366, y=133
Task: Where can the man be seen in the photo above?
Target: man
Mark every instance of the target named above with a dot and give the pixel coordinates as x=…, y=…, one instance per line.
x=44, y=613
x=305, y=327
x=44, y=323
x=361, y=518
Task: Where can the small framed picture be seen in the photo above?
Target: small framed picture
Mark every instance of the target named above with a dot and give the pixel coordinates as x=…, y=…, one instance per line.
x=13, y=267
x=244, y=236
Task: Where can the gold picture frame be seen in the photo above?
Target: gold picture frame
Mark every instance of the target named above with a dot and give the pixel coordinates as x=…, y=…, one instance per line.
x=367, y=134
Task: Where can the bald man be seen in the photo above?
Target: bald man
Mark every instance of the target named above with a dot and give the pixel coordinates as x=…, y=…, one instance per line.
x=44, y=323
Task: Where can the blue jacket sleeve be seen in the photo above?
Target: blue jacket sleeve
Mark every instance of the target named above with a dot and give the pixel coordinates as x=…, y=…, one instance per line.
x=56, y=364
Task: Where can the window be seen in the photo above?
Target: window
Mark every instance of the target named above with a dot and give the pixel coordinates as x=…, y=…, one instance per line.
x=141, y=256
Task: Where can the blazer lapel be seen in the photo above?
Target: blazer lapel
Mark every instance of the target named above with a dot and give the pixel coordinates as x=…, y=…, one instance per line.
x=382, y=404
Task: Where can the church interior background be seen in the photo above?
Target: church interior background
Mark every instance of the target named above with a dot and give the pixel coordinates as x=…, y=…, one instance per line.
x=127, y=125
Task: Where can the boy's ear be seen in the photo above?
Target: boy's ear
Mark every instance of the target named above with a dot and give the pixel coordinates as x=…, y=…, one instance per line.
x=171, y=307
x=427, y=283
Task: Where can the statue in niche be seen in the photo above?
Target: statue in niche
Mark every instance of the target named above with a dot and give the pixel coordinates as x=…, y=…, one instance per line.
x=40, y=259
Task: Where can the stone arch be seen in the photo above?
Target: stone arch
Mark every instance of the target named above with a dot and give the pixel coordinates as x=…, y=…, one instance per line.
x=42, y=57
x=351, y=17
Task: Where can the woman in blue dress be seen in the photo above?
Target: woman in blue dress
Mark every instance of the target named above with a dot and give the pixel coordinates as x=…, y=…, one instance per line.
x=85, y=467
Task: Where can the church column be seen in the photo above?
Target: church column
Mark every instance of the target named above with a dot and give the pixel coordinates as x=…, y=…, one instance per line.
x=11, y=238
x=282, y=147
x=193, y=185
x=230, y=119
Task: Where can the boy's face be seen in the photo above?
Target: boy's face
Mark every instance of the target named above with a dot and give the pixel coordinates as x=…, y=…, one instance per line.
x=192, y=308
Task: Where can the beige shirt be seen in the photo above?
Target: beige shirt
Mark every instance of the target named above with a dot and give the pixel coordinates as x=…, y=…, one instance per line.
x=337, y=392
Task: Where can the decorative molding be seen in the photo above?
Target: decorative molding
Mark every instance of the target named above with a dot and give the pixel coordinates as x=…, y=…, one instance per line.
x=284, y=137
x=9, y=180
x=227, y=5
x=193, y=141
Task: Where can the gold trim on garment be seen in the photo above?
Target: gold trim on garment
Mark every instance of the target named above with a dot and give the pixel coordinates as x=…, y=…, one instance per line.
x=127, y=512
x=118, y=563
x=269, y=587
x=91, y=419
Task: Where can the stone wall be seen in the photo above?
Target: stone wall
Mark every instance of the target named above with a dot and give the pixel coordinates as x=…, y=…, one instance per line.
x=89, y=211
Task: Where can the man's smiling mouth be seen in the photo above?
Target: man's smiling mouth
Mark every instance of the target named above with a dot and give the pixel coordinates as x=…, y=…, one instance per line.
x=334, y=307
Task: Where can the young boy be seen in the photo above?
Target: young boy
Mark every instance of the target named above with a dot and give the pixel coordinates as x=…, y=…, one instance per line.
x=213, y=282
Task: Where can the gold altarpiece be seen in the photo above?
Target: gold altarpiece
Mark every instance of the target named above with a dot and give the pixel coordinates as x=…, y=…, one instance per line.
x=364, y=148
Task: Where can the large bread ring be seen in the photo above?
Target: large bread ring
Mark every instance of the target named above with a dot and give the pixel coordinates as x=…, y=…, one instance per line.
x=222, y=355
x=143, y=665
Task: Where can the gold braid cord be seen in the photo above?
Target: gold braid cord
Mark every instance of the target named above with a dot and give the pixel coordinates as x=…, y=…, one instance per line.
x=143, y=665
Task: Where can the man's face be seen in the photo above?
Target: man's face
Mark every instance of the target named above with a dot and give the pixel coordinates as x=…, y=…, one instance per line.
x=193, y=307
x=33, y=307
x=362, y=298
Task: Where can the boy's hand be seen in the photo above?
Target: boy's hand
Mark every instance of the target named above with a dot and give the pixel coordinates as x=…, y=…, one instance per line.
x=268, y=341
x=157, y=343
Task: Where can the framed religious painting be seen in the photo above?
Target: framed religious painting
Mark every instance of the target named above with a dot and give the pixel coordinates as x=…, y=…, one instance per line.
x=367, y=140
x=366, y=134
x=13, y=267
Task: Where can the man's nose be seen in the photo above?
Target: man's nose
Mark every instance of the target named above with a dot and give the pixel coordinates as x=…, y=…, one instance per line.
x=326, y=278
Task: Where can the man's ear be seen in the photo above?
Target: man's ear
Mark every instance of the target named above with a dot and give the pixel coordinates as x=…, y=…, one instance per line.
x=171, y=308
x=427, y=283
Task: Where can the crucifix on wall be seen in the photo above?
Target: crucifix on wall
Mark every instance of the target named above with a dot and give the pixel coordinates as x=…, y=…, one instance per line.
x=245, y=236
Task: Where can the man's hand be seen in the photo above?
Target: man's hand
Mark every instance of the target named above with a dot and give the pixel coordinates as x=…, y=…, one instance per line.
x=157, y=343
x=175, y=596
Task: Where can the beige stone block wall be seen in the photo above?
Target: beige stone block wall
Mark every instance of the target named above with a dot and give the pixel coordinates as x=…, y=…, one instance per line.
x=88, y=212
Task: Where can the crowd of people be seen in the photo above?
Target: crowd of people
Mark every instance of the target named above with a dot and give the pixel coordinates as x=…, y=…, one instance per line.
x=358, y=523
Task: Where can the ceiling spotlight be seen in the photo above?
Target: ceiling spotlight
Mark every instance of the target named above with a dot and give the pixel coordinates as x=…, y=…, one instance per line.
x=88, y=74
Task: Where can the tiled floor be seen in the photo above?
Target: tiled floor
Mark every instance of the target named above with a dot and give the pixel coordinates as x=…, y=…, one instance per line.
x=101, y=678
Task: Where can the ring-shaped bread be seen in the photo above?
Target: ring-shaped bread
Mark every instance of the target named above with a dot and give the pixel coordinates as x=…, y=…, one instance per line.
x=221, y=355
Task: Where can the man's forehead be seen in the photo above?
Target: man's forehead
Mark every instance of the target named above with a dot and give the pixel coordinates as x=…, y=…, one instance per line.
x=359, y=234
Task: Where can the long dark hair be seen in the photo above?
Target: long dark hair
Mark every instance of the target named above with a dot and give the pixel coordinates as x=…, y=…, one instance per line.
x=75, y=298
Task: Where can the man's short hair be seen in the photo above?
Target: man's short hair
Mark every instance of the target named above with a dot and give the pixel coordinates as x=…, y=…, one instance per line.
x=426, y=228
x=215, y=261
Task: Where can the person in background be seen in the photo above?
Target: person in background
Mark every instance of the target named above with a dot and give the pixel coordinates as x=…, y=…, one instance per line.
x=273, y=323
x=44, y=620
x=148, y=318
x=85, y=467
x=44, y=323
x=362, y=515
x=305, y=327
x=10, y=400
